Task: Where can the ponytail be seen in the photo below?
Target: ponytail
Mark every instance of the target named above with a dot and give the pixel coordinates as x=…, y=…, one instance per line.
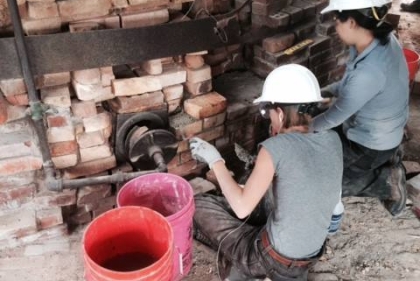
x=373, y=19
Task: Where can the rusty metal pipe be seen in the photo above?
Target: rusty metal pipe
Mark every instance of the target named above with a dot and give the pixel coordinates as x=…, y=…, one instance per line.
x=60, y=184
x=37, y=111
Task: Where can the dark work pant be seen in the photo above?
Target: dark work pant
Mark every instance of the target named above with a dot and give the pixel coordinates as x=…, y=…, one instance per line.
x=239, y=242
x=365, y=170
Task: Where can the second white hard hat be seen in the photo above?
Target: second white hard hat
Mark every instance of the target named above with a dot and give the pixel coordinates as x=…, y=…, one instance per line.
x=340, y=5
x=291, y=83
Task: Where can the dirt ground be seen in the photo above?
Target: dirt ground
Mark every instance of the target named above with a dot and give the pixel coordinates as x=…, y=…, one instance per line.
x=371, y=245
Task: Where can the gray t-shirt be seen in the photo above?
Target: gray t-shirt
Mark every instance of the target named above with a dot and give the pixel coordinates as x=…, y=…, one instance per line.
x=306, y=188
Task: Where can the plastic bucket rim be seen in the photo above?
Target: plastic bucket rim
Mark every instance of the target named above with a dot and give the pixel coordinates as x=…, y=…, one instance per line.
x=416, y=56
x=182, y=211
x=168, y=253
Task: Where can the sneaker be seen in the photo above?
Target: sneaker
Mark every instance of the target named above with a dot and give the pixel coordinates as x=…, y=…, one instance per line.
x=411, y=7
x=396, y=204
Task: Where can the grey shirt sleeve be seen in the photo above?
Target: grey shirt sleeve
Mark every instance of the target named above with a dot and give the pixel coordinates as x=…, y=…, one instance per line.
x=360, y=86
x=332, y=88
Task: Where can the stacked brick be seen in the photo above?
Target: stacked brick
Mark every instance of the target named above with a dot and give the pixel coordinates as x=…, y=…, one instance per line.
x=307, y=40
x=203, y=114
x=225, y=59
x=83, y=104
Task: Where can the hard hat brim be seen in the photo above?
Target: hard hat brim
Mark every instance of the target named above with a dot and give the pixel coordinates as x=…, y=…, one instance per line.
x=327, y=9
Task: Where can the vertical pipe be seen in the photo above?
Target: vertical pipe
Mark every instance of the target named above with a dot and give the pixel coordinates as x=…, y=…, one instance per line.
x=34, y=102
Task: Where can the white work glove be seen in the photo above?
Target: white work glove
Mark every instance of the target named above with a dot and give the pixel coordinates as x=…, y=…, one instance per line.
x=204, y=152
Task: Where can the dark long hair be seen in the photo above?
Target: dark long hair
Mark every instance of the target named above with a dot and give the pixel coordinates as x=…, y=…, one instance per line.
x=371, y=19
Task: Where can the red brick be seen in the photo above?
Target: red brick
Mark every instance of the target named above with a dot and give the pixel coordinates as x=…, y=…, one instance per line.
x=3, y=110
x=17, y=193
x=183, y=146
x=51, y=198
x=214, y=121
x=65, y=161
x=198, y=75
x=97, y=122
x=278, y=43
x=87, y=76
x=53, y=79
x=174, y=162
x=82, y=9
x=173, y=92
x=185, y=126
x=185, y=157
x=95, y=152
x=42, y=10
x=174, y=106
x=63, y=148
x=13, y=86
x=20, y=164
x=83, y=109
x=20, y=99
x=193, y=61
x=136, y=85
x=90, y=168
x=189, y=168
x=90, y=139
x=18, y=224
x=199, y=88
x=48, y=218
x=205, y=105
x=144, y=19
x=92, y=194
x=144, y=102
x=212, y=134
x=57, y=121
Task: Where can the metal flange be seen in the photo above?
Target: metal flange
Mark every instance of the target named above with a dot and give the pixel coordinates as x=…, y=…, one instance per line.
x=142, y=146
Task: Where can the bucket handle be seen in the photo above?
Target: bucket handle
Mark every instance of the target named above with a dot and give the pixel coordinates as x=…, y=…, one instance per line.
x=180, y=260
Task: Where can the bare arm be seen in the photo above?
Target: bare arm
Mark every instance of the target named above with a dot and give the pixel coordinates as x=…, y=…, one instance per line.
x=244, y=200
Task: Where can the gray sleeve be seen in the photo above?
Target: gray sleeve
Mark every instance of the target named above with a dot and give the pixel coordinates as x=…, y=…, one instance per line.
x=332, y=88
x=358, y=89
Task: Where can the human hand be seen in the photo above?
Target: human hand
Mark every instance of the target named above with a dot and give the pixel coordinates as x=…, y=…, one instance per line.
x=326, y=93
x=204, y=152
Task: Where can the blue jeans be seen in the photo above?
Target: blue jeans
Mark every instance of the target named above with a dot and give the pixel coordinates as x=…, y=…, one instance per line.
x=239, y=242
x=365, y=170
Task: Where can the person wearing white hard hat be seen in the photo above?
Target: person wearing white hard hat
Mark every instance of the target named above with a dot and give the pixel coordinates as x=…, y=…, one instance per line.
x=370, y=109
x=303, y=173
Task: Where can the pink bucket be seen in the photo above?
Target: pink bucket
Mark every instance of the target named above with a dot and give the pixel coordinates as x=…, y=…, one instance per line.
x=173, y=197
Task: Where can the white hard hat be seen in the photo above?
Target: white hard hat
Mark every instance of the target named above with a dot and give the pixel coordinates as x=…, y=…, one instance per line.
x=291, y=83
x=340, y=5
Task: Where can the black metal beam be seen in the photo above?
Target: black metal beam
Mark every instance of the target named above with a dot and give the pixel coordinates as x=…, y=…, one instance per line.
x=74, y=51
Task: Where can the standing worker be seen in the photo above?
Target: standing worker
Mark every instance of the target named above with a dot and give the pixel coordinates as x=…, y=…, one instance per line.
x=371, y=106
x=305, y=172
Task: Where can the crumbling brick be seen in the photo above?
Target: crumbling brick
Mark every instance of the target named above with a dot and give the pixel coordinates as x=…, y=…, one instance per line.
x=205, y=105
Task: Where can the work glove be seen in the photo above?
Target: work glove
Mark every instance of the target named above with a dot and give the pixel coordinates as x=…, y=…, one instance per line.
x=204, y=152
x=325, y=93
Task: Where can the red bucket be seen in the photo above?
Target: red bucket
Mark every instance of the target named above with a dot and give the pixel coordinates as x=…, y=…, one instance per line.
x=173, y=197
x=412, y=59
x=130, y=244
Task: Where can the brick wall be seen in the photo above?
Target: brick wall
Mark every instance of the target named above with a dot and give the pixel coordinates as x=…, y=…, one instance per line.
x=83, y=104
